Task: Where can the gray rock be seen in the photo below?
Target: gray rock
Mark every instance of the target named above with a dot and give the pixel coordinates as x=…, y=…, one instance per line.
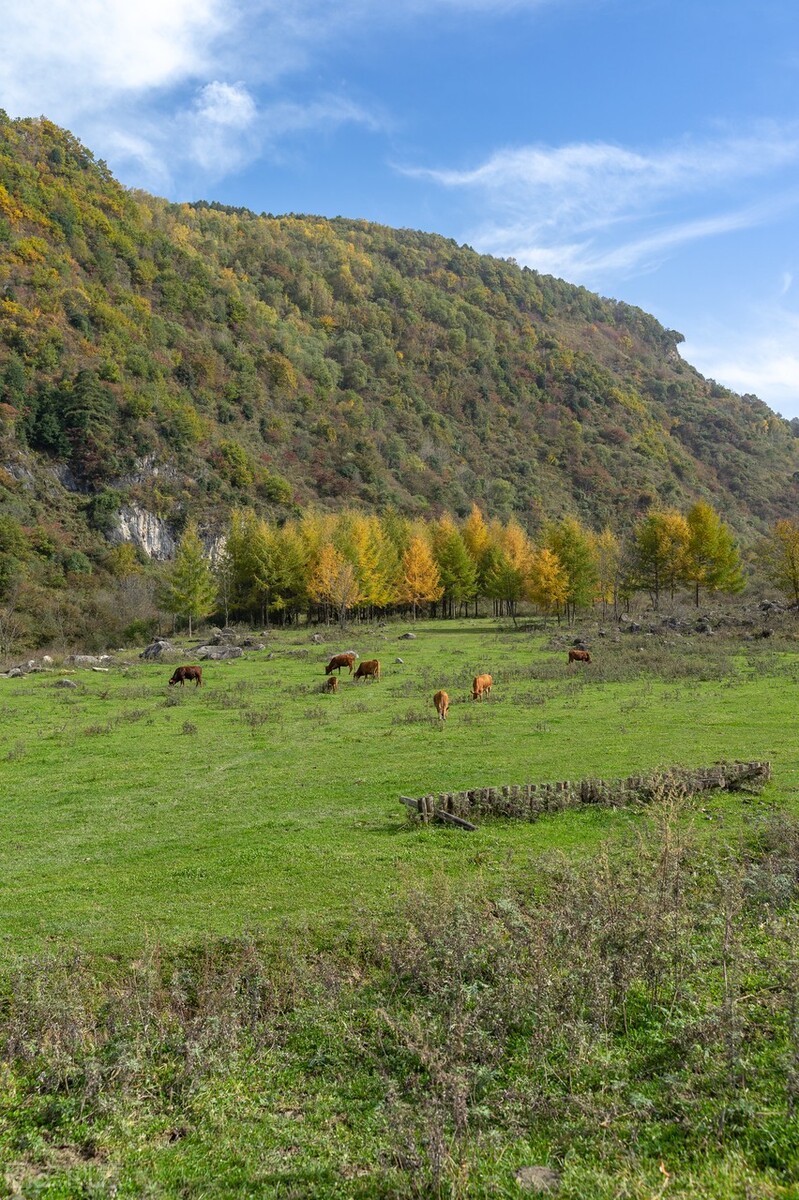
x=65, y=683
x=400, y=660
x=538, y=1179
x=15, y=673
x=407, y=637
x=156, y=648
x=218, y=653
x=85, y=660
x=317, y=639
x=223, y=637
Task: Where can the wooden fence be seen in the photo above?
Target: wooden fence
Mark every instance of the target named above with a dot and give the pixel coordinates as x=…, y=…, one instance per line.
x=527, y=801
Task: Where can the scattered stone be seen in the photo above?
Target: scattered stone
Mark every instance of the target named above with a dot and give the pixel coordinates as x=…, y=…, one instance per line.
x=15, y=673
x=65, y=683
x=400, y=660
x=85, y=660
x=218, y=653
x=407, y=637
x=47, y=660
x=538, y=1179
x=317, y=639
x=104, y=670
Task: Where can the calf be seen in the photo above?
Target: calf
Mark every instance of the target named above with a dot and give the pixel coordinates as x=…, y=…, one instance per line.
x=441, y=701
x=579, y=656
x=368, y=670
x=481, y=686
x=184, y=673
x=331, y=684
x=338, y=661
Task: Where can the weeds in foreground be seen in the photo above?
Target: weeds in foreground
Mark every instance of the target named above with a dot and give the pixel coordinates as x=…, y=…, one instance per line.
x=640, y=1011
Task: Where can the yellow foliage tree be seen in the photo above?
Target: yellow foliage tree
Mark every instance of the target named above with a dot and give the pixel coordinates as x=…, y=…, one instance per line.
x=419, y=580
x=334, y=583
x=475, y=535
x=607, y=558
x=549, y=584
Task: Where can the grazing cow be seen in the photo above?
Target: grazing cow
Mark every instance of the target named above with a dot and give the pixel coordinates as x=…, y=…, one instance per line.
x=481, y=686
x=368, y=670
x=441, y=701
x=331, y=684
x=340, y=660
x=579, y=656
x=184, y=673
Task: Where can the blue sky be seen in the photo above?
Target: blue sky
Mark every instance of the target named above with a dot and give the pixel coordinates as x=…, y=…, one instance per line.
x=648, y=149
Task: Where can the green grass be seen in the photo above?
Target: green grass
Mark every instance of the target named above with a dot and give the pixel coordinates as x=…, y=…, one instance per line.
x=232, y=967
x=134, y=813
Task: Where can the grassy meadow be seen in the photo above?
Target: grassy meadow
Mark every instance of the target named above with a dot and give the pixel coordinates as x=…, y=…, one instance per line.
x=230, y=965
x=133, y=811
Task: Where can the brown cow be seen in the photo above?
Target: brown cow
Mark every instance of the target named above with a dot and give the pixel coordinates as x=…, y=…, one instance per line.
x=441, y=701
x=338, y=661
x=184, y=673
x=331, y=684
x=368, y=670
x=481, y=686
x=579, y=656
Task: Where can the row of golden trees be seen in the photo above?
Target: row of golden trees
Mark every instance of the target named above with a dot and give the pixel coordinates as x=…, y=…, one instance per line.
x=335, y=565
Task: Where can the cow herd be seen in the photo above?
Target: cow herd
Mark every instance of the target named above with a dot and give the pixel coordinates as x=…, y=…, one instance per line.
x=370, y=669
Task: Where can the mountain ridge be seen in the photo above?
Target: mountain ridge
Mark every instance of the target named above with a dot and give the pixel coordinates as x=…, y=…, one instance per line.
x=186, y=359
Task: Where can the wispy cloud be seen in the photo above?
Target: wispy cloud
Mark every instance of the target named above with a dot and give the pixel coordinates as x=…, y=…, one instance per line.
x=587, y=211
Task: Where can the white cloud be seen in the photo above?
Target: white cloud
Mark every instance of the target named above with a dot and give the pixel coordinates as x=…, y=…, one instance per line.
x=228, y=105
x=67, y=57
x=589, y=210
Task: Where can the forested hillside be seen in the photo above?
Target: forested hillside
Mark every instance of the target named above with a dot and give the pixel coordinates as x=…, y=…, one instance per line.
x=183, y=360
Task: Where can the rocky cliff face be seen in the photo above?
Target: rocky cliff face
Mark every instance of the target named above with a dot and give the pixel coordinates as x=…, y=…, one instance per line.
x=146, y=531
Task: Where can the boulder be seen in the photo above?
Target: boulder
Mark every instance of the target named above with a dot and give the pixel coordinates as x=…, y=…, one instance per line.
x=317, y=639
x=407, y=637
x=65, y=683
x=400, y=660
x=218, y=653
x=156, y=648
x=222, y=637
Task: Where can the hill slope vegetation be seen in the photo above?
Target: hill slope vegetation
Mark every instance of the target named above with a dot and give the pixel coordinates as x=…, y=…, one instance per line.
x=190, y=358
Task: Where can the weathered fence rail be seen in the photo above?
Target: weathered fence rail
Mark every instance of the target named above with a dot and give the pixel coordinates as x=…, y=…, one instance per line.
x=527, y=801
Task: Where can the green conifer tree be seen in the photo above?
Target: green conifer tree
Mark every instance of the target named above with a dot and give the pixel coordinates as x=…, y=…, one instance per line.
x=189, y=589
